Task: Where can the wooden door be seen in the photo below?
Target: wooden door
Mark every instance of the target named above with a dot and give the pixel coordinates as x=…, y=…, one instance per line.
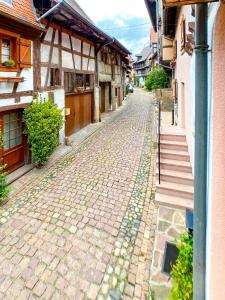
x=102, y=85
x=78, y=112
x=13, y=152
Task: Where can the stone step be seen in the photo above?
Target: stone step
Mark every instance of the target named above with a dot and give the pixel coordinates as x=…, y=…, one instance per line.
x=180, y=166
x=173, y=137
x=175, y=189
x=175, y=202
x=174, y=145
x=176, y=177
x=174, y=154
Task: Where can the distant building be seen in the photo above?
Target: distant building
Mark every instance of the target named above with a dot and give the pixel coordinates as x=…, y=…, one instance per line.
x=141, y=65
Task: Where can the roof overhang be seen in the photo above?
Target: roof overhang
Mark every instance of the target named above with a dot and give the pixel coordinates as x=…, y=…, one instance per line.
x=67, y=17
x=172, y=3
x=37, y=27
x=151, y=7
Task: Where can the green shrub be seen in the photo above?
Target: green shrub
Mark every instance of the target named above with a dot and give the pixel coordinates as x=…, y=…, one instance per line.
x=156, y=79
x=4, y=191
x=182, y=271
x=43, y=120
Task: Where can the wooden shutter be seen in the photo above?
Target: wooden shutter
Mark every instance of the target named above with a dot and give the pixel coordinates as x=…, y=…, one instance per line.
x=25, y=53
x=183, y=33
x=175, y=90
x=175, y=50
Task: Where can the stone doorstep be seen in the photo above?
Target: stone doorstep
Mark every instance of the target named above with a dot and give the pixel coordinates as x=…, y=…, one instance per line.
x=19, y=173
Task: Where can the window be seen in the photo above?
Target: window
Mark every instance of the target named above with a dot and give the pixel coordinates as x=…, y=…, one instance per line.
x=15, y=52
x=116, y=92
x=7, y=46
x=12, y=130
x=74, y=82
x=54, y=77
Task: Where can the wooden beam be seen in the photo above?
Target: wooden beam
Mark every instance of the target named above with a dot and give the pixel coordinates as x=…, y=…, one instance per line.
x=50, y=58
x=172, y=3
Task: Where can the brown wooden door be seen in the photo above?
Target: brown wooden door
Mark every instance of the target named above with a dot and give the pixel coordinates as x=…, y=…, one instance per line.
x=80, y=114
x=102, y=85
x=13, y=152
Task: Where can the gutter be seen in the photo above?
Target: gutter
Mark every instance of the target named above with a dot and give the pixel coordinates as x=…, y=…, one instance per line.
x=201, y=143
x=50, y=11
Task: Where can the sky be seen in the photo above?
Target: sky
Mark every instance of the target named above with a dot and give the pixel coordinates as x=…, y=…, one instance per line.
x=126, y=20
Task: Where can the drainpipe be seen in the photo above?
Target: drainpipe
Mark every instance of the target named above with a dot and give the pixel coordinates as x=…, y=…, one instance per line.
x=201, y=112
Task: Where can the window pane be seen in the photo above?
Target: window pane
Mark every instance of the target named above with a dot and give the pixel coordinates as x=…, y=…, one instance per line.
x=13, y=116
x=6, y=127
x=12, y=143
x=18, y=140
x=6, y=118
x=6, y=136
x=13, y=125
x=12, y=134
x=5, y=50
x=18, y=131
x=6, y=145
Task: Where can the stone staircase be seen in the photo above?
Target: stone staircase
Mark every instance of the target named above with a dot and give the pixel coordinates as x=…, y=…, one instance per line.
x=177, y=183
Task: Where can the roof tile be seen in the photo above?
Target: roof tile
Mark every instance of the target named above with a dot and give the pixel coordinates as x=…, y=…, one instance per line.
x=22, y=10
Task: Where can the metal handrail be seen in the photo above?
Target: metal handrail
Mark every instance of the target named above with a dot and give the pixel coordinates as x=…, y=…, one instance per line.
x=159, y=133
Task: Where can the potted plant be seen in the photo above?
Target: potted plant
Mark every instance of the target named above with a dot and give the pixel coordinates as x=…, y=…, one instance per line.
x=9, y=63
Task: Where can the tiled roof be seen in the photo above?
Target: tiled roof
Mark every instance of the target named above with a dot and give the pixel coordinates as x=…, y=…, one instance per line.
x=144, y=54
x=153, y=36
x=21, y=10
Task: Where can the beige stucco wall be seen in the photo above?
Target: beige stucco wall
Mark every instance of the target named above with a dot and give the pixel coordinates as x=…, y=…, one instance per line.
x=217, y=224
x=185, y=79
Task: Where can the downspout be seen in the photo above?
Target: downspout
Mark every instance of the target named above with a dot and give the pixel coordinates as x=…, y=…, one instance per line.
x=201, y=114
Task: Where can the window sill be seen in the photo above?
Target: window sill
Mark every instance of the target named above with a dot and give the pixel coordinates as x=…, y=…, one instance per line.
x=11, y=79
x=80, y=93
x=9, y=69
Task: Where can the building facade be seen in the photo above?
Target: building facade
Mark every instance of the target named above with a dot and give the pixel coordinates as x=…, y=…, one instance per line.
x=211, y=211
x=53, y=50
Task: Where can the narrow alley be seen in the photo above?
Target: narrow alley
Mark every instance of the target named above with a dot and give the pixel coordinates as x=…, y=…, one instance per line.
x=85, y=228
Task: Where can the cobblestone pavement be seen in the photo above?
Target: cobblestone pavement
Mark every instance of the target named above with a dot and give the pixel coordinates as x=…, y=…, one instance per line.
x=85, y=229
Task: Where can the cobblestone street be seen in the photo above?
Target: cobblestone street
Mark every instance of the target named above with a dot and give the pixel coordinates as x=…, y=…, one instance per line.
x=84, y=229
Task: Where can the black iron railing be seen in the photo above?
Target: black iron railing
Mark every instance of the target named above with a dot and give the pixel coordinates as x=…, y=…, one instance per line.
x=159, y=132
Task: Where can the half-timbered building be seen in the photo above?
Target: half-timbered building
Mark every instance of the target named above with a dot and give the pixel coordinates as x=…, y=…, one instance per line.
x=19, y=36
x=112, y=76
x=76, y=64
x=51, y=49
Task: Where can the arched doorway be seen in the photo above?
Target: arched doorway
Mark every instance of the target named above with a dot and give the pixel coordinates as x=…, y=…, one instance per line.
x=216, y=242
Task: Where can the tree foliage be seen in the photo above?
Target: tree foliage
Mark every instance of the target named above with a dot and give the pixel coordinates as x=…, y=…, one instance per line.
x=156, y=79
x=182, y=271
x=43, y=120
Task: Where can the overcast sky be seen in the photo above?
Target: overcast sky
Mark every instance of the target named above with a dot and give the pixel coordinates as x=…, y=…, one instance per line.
x=127, y=20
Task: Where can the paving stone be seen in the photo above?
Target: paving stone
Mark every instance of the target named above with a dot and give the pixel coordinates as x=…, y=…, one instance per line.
x=39, y=289
x=77, y=222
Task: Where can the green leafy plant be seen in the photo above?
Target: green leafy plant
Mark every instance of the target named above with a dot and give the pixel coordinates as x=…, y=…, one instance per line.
x=4, y=190
x=182, y=271
x=156, y=79
x=43, y=120
x=9, y=63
